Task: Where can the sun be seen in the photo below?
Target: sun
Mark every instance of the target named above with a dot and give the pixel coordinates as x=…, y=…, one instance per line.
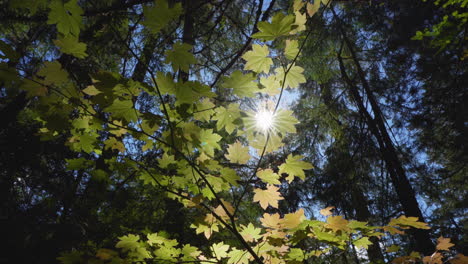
x=264, y=120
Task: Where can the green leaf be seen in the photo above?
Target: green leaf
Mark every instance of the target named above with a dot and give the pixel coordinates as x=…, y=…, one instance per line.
x=128, y=242
x=243, y=85
x=204, y=110
x=180, y=57
x=284, y=121
x=158, y=16
x=70, y=45
x=225, y=117
x=268, y=176
x=294, y=77
x=294, y=166
x=250, y=233
x=67, y=17
x=165, y=83
x=296, y=254
x=257, y=59
x=91, y=90
x=392, y=248
x=280, y=26
x=292, y=49
x=237, y=256
x=122, y=110
x=362, y=242
x=53, y=73
x=238, y=153
x=220, y=250
x=271, y=85
x=230, y=176
x=209, y=141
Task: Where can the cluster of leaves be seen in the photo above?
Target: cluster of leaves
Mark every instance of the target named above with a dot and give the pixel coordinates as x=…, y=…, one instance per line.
x=201, y=137
x=451, y=27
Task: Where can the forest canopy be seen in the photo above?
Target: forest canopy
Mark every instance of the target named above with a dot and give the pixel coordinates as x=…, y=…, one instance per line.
x=234, y=131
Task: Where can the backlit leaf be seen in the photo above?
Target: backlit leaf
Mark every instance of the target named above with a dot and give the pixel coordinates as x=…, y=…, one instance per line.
x=294, y=167
x=237, y=153
x=243, y=85
x=180, y=57
x=280, y=26
x=159, y=15
x=257, y=59
x=270, y=196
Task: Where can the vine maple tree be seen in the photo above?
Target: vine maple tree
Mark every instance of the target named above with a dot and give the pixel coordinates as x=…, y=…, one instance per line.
x=201, y=136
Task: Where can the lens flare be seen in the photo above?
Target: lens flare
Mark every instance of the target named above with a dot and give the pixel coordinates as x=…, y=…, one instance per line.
x=264, y=120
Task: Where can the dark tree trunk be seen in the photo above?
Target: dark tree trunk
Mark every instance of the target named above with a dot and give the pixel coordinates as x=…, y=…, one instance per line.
x=376, y=124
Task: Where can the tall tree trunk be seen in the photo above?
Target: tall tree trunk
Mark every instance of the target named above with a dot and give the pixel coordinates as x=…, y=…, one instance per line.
x=376, y=124
x=360, y=203
x=187, y=35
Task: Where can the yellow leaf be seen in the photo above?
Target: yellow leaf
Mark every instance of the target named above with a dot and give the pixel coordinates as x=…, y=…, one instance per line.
x=270, y=196
x=271, y=220
x=337, y=223
x=293, y=220
x=237, y=153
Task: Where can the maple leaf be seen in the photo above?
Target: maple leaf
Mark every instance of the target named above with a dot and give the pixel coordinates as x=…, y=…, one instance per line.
x=128, y=242
x=392, y=248
x=122, y=110
x=204, y=110
x=292, y=49
x=271, y=220
x=180, y=57
x=257, y=59
x=293, y=220
x=294, y=167
x=53, y=73
x=209, y=141
x=270, y=196
x=113, y=143
x=91, y=90
x=237, y=153
x=250, y=233
x=406, y=222
x=337, y=223
x=313, y=8
x=293, y=78
x=271, y=85
x=237, y=256
x=268, y=176
x=225, y=117
x=459, y=259
x=230, y=176
x=363, y=242
x=243, y=85
x=159, y=15
x=299, y=24
x=70, y=45
x=165, y=83
x=435, y=258
x=327, y=211
x=444, y=243
x=280, y=25
x=220, y=250
x=284, y=121
x=67, y=16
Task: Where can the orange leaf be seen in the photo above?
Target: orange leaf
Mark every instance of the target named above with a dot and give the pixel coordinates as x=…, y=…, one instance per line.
x=327, y=211
x=436, y=258
x=444, y=243
x=270, y=196
x=459, y=259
